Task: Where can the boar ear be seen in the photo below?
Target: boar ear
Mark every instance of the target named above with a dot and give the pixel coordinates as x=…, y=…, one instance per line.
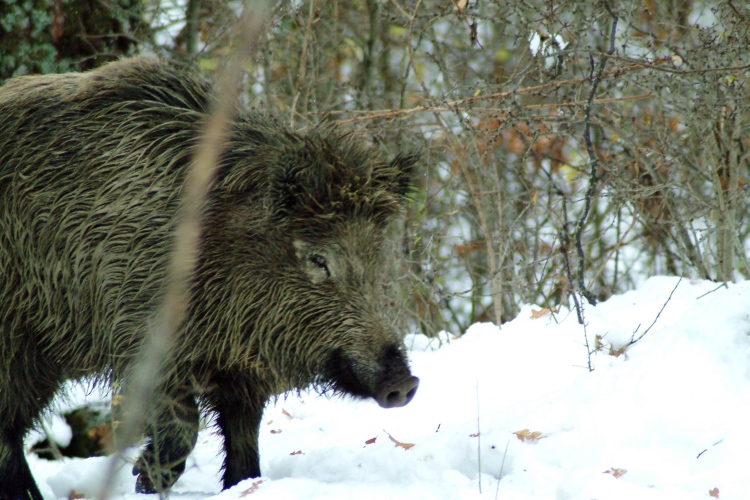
x=286, y=191
x=404, y=168
x=296, y=184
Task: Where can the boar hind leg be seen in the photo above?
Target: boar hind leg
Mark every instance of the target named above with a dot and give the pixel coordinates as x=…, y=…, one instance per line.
x=28, y=382
x=239, y=408
x=171, y=437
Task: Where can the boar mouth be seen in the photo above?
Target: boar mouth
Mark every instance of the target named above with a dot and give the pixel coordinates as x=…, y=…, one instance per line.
x=393, y=386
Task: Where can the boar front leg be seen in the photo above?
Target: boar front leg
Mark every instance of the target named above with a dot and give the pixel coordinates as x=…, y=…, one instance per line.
x=239, y=406
x=29, y=379
x=171, y=437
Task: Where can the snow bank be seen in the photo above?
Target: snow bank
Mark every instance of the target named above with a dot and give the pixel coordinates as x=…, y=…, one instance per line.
x=664, y=418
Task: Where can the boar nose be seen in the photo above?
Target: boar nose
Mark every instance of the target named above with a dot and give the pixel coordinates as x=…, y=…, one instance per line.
x=398, y=394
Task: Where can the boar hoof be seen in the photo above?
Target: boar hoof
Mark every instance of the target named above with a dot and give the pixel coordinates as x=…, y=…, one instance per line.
x=398, y=394
x=143, y=484
x=146, y=484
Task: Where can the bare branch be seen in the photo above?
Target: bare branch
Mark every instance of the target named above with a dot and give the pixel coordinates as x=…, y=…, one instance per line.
x=191, y=39
x=594, y=172
x=302, y=62
x=147, y=374
x=633, y=340
x=453, y=104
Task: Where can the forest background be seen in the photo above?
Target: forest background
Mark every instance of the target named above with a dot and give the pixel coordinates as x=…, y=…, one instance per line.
x=571, y=148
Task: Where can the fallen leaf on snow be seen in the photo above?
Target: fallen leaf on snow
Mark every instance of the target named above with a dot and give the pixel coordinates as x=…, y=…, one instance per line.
x=526, y=435
x=251, y=489
x=616, y=472
x=714, y=493
x=540, y=313
x=371, y=441
x=398, y=443
x=298, y=452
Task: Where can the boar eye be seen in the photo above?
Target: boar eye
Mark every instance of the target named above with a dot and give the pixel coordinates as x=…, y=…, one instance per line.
x=321, y=262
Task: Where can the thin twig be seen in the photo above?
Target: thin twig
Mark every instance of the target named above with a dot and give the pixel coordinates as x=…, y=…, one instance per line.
x=632, y=340
x=618, y=244
x=302, y=62
x=594, y=172
x=502, y=466
x=191, y=40
x=401, y=9
x=704, y=451
x=736, y=12
x=479, y=444
x=441, y=109
x=589, y=352
x=452, y=105
x=483, y=222
x=173, y=310
x=675, y=71
x=53, y=448
x=606, y=100
x=565, y=249
x=723, y=285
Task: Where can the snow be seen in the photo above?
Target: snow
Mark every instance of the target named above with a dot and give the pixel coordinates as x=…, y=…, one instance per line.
x=55, y=427
x=668, y=419
x=551, y=45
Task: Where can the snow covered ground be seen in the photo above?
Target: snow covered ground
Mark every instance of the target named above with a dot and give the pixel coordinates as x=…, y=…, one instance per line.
x=516, y=412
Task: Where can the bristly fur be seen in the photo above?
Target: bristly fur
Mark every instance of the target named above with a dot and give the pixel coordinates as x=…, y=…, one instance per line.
x=287, y=290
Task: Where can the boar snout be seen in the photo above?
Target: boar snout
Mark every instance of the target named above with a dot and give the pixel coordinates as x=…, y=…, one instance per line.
x=398, y=394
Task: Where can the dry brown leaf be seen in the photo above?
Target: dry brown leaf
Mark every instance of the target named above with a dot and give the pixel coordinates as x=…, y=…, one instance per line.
x=298, y=452
x=371, y=441
x=251, y=489
x=101, y=435
x=598, y=344
x=616, y=472
x=398, y=443
x=526, y=435
x=286, y=413
x=540, y=313
x=714, y=493
x=75, y=496
x=459, y=5
x=619, y=351
x=274, y=431
x=476, y=434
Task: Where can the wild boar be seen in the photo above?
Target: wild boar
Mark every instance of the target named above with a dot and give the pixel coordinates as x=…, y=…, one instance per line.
x=287, y=289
